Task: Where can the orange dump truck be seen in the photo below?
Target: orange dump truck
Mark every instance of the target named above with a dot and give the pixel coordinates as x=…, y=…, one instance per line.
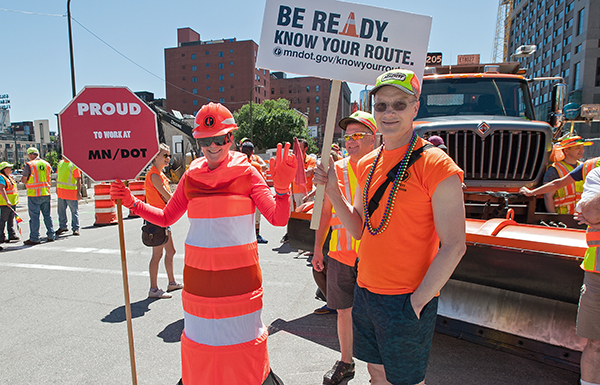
x=517, y=286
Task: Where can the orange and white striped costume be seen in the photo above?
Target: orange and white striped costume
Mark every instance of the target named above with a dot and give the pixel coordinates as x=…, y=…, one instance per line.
x=224, y=339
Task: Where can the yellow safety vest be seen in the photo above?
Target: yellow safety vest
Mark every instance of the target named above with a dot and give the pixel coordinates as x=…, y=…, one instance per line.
x=11, y=191
x=38, y=183
x=342, y=246
x=567, y=197
x=66, y=183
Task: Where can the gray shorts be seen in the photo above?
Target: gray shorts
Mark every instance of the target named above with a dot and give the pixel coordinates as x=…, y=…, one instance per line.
x=588, y=314
x=341, y=279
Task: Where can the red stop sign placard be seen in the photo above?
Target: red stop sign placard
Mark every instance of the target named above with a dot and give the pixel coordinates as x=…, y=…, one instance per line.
x=109, y=133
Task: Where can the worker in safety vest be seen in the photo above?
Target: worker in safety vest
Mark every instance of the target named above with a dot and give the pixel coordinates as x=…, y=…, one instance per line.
x=564, y=201
x=9, y=198
x=68, y=189
x=224, y=341
x=37, y=175
x=588, y=313
x=359, y=135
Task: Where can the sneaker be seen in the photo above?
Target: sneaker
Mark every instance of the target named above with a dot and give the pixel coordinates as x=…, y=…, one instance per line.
x=14, y=238
x=158, y=293
x=29, y=242
x=324, y=310
x=174, y=286
x=60, y=231
x=260, y=239
x=338, y=373
x=285, y=239
x=75, y=232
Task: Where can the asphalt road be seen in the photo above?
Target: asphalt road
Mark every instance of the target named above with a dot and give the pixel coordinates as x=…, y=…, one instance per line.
x=63, y=319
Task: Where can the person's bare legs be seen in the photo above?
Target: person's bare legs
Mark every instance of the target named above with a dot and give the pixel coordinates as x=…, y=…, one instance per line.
x=377, y=373
x=344, y=328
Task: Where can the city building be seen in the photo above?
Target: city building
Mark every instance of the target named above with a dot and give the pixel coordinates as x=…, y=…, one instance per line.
x=15, y=141
x=566, y=34
x=223, y=71
x=310, y=95
x=198, y=72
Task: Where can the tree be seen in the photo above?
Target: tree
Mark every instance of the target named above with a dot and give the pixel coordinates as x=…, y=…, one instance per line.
x=273, y=122
x=53, y=158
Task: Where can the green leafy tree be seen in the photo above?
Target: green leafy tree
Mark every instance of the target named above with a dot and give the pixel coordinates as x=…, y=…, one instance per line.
x=53, y=158
x=273, y=122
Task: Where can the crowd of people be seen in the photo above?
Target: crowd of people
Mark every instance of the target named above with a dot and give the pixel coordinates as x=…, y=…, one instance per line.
x=396, y=219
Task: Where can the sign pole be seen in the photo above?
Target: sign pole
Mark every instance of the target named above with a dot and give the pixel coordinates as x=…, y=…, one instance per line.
x=334, y=98
x=126, y=292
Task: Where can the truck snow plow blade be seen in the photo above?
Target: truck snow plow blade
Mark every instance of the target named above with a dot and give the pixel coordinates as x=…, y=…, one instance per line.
x=522, y=280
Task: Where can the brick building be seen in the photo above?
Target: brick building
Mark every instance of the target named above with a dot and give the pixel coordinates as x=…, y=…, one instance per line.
x=310, y=95
x=198, y=72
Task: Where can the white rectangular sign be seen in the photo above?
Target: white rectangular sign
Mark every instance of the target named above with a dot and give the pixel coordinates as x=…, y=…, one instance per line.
x=339, y=40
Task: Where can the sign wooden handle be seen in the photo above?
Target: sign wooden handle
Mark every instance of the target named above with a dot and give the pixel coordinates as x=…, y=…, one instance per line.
x=334, y=98
x=126, y=292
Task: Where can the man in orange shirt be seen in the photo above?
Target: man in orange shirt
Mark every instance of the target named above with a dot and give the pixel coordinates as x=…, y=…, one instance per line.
x=412, y=212
x=359, y=134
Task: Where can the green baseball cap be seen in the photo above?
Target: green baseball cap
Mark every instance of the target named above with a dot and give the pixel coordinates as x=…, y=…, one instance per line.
x=4, y=165
x=32, y=150
x=405, y=80
x=360, y=117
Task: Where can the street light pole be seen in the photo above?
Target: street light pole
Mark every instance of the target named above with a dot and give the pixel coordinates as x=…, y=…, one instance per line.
x=251, y=120
x=73, y=89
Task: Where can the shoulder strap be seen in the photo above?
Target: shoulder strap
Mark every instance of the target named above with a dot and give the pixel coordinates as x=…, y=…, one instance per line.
x=391, y=175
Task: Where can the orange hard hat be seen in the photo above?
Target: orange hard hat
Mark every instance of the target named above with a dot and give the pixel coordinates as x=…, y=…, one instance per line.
x=213, y=119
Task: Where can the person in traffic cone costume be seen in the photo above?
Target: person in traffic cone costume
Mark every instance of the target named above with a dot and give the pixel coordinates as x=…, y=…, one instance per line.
x=224, y=339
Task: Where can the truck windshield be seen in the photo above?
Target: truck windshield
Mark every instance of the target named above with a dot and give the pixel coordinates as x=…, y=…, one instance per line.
x=475, y=96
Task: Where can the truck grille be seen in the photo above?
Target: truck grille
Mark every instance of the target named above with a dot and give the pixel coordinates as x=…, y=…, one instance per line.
x=502, y=155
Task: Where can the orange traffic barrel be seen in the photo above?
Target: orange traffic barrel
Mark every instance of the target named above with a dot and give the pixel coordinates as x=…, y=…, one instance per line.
x=137, y=189
x=269, y=177
x=106, y=210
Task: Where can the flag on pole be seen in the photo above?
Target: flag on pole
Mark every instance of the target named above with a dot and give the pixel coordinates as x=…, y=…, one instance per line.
x=18, y=220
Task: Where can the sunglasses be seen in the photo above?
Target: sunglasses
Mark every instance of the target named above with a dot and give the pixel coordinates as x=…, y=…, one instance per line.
x=398, y=105
x=220, y=140
x=356, y=136
x=167, y=156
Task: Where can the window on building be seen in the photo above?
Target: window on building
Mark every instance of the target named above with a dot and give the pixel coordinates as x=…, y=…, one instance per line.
x=576, y=80
x=230, y=50
x=565, y=74
x=194, y=68
x=207, y=65
x=206, y=52
x=193, y=56
x=231, y=86
x=598, y=72
x=557, y=32
x=220, y=53
x=208, y=88
x=232, y=98
x=272, y=91
x=307, y=88
x=231, y=63
x=556, y=63
x=194, y=79
x=578, y=48
x=317, y=109
x=221, y=89
x=316, y=119
x=316, y=99
x=567, y=40
x=568, y=24
x=194, y=90
x=308, y=99
x=182, y=55
x=317, y=88
x=558, y=16
x=221, y=77
x=566, y=57
x=207, y=76
x=183, y=78
x=580, y=21
x=182, y=67
x=221, y=66
x=299, y=101
x=289, y=91
x=569, y=7
x=195, y=102
x=221, y=100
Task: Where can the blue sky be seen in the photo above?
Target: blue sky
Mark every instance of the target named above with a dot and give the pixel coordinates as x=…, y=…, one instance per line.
x=34, y=58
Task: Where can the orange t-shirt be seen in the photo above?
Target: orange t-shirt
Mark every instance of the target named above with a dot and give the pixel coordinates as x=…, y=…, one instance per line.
x=309, y=162
x=395, y=261
x=153, y=197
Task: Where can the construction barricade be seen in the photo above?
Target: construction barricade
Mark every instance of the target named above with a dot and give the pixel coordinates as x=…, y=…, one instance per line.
x=106, y=210
x=137, y=189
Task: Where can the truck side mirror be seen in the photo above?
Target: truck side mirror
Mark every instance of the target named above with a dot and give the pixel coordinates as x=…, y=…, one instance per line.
x=559, y=91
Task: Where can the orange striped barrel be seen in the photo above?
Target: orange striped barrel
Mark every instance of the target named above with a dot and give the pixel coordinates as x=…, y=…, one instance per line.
x=269, y=177
x=106, y=210
x=137, y=189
